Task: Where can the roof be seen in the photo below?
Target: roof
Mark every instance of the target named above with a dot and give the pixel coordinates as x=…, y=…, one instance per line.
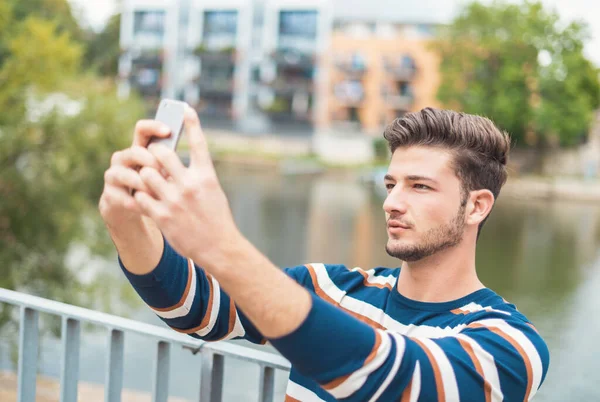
x=398, y=11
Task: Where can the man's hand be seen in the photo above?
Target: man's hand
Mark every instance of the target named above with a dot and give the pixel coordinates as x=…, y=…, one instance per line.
x=137, y=239
x=116, y=202
x=190, y=208
x=193, y=214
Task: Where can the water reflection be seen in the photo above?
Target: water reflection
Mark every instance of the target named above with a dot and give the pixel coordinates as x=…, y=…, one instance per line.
x=542, y=256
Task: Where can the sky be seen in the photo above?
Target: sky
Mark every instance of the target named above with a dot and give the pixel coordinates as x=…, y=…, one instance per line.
x=95, y=13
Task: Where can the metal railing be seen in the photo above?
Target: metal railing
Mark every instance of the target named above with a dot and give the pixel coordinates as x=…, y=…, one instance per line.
x=212, y=354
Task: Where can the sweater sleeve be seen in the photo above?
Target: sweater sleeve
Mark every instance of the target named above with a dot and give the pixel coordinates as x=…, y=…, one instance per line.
x=491, y=359
x=190, y=301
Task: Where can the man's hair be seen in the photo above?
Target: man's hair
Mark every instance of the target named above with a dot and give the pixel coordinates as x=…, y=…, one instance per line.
x=480, y=148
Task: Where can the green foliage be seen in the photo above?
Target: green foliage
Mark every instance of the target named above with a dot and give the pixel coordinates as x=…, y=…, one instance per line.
x=58, y=128
x=381, y=149
x=58, y=11
x=491, y=66
x=52, y=178
x=103, y=50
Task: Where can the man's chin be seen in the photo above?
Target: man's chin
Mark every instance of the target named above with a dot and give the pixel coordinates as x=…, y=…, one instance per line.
x=396, y=248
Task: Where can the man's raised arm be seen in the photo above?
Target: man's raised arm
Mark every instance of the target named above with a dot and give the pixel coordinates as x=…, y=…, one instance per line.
x=174, y=287
x=136, y=237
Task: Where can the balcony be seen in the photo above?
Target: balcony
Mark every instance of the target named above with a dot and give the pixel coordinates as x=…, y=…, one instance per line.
x=222, y=56
x=293, y=58
x=349, y=93
x=215, y=87
x=146, y=80
x=403, y=69
x=148, y=59
x=400, y=102
x=401, y=73
x=290, y=86
x=353, y=67
x=352, y=71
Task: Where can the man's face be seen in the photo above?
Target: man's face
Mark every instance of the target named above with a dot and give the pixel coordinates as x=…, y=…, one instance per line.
x=425, y=208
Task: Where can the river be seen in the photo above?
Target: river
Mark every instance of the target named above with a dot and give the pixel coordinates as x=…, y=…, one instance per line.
x=542, y=256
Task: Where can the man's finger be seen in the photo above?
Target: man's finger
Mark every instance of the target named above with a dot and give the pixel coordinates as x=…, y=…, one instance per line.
x=199, y=155
x=134, y=157
x=168, y=160
x=123, y=177
x=149, y=206
x=146, y=129
x=156, y=183
x=117, y=196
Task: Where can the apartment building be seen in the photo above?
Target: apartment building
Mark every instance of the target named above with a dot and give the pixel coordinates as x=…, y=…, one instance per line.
x=251, y=61
x=380, y=71
x=148, y=47
x=285, y=66
x=216, y=65
x=293, y=81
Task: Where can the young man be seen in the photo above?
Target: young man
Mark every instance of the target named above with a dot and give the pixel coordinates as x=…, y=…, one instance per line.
x=428, y=331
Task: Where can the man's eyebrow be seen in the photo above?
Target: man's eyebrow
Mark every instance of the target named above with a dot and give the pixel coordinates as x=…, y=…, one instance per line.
x=420, y=178
x=389, y=177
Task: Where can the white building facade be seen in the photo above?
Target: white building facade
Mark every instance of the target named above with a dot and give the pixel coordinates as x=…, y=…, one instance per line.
x=257, y=62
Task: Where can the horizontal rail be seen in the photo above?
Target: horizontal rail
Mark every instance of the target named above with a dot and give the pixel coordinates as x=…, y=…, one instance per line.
x=131, y=326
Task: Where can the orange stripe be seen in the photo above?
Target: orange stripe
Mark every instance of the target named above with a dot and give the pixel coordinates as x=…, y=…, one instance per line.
x=406, y=394
x=370, y=357
x=290, y=399
x=232, y=314
x=206, y=317
x=487, y=387
x=439, y=384
x=185, y=293
x=326, y=297
x=518, y=347
x=375, y=285
x=459, y=311
x=532, y=327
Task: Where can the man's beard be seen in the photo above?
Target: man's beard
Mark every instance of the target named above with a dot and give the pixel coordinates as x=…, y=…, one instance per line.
x=435, y=240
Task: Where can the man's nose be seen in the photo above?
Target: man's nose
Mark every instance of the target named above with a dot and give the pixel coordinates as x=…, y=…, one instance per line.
x=395, y=202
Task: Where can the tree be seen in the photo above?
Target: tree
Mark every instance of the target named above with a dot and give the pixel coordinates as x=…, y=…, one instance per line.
x=58, y=129
x=518, y=65
x=58, y=11
x=103, y=50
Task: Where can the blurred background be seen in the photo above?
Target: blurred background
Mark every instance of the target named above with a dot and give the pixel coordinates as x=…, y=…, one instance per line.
x=294, y=97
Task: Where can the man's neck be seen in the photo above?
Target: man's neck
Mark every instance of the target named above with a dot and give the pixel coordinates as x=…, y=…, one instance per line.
x=445, y=276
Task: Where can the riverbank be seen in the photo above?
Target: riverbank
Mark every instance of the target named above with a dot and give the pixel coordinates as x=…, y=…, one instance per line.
x=295, y=156
x=552, y=188
x=48, y=390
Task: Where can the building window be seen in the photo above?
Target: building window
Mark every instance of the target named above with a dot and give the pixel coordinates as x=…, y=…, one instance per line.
x=220, y=29
x=149, y=28
x=349, y=91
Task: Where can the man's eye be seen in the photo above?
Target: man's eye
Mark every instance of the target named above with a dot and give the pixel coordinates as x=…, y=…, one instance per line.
x=422, y=187
x=389, y=186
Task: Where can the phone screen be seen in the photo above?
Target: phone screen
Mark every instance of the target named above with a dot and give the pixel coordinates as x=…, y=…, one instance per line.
x=170, y=112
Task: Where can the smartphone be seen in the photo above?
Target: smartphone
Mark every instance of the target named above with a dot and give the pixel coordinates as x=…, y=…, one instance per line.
x=171, y=113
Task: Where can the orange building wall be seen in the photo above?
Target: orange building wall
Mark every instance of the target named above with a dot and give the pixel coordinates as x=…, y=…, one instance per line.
x=374, y=112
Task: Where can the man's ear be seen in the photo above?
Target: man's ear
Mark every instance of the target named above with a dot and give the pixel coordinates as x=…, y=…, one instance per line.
x=479, y=206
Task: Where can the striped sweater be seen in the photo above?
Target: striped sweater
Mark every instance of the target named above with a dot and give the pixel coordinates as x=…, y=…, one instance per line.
x=364, y=341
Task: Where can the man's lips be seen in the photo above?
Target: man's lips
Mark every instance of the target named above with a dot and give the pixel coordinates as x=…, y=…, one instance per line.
x=397, y=225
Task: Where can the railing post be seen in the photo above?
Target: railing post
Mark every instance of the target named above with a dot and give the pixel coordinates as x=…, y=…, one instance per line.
x=28, y=350
x=69, y=375
x=114, y=367
x=211, y=382
x=266, y=384
x=160, y=390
